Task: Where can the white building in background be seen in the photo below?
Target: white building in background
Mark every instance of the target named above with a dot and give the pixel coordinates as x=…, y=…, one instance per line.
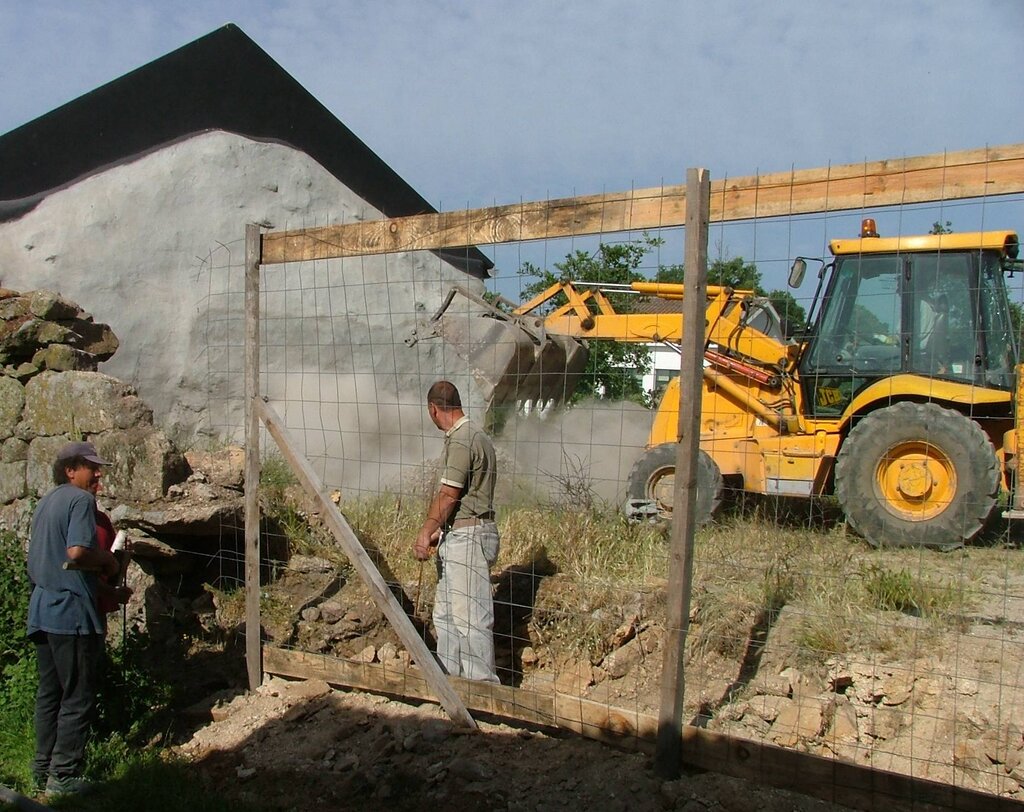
x=665, y=362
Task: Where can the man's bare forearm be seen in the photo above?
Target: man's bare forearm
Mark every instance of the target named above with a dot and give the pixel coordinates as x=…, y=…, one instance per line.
x=93, y=558
x=442, y=508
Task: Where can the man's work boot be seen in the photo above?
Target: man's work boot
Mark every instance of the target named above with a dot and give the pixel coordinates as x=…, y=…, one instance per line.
x=68, y=785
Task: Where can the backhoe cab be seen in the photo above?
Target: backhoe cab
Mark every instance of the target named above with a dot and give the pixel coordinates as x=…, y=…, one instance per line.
x=909, y=369
x=897, y=398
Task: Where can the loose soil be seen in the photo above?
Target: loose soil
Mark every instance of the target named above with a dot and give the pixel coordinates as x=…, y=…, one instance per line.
x=303, y=746
x=940, y=706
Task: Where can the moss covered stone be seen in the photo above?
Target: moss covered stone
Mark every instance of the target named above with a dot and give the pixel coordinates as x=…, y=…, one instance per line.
x=12, y=404
x=12, y=481
x=77, y=403
x=63, y=358
x=49, y=305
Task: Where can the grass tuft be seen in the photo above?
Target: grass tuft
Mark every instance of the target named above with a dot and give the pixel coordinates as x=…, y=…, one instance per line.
x=900, y=591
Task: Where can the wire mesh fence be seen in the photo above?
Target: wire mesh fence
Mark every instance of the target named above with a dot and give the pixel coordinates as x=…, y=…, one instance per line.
x=857, y=592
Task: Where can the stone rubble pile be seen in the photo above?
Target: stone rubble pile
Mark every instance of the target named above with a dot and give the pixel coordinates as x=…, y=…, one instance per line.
x=916, y=717
x=51, y=393
x=40, y=330
x=892, y=716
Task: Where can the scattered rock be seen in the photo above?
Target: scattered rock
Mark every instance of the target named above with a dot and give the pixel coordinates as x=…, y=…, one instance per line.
x=469, y=769
x=672, y=792
x=1002, y=745
x=435, y=731
x=12, y=403
x=772, y=685
x=885, y=723
x=622, y=660
x=367, y=654
x=574, y=677
x=840, y=677
x=844, y=727
x=797, y=721
x=203, y=491
x=896, y=688
x=768, y=706
x=63, y=357
x=969, y=756
x=331, y=611
x=310, y=563
x=224, y=467
x=625, y=632
x=800, y=684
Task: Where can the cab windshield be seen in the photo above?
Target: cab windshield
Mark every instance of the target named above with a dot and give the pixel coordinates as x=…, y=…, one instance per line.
x=938, y=314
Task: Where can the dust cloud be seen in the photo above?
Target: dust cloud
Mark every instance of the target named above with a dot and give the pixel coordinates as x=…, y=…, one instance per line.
x=581, y=452
x=365, y=438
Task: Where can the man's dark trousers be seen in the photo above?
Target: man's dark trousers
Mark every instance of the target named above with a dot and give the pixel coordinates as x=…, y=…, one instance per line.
x=68, y=670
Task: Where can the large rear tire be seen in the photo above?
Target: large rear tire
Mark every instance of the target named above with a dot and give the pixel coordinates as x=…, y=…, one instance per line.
x=917, y=474
x=651, y=486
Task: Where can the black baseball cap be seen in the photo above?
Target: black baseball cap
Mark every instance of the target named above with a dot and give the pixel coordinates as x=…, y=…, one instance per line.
x=87, y=451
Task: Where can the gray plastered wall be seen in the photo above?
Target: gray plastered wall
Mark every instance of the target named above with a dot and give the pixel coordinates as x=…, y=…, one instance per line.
x=155, y=248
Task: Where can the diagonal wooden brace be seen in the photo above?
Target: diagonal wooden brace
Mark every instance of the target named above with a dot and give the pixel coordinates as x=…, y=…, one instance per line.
x=364, y=566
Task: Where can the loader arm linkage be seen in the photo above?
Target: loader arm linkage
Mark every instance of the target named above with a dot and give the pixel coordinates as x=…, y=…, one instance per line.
x=537, y=351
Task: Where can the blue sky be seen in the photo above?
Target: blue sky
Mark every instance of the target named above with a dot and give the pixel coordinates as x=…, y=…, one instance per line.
x=477, y=103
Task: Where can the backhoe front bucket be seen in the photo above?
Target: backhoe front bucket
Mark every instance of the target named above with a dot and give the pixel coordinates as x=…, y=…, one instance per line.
x=558, y=364
x=510, y=360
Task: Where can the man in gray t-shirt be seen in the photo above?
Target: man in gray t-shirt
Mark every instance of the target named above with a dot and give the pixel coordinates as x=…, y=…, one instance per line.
x=63, y=619
x=460, y=526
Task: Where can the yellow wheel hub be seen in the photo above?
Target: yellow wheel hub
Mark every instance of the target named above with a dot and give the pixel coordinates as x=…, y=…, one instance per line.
x=662, y=489
x=916, y=480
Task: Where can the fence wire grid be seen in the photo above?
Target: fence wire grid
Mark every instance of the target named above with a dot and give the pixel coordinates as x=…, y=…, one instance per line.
x=801, y=633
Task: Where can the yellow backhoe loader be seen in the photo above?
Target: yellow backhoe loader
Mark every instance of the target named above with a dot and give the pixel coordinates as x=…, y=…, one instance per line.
x=898, y=398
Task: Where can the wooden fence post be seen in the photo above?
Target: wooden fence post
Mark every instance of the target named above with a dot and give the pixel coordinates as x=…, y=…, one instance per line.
x=668, y=755
x=252, y=457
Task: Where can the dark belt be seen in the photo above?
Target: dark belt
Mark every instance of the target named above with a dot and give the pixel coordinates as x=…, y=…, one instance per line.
x=472, y=521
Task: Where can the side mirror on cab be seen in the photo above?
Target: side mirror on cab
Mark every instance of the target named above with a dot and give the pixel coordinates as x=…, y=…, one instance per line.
x=796, y=273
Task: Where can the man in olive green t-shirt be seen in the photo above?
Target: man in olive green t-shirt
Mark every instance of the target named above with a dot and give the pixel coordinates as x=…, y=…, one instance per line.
x=460, y=526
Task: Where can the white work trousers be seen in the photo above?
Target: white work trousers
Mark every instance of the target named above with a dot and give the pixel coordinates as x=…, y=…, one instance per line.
x=464, y=603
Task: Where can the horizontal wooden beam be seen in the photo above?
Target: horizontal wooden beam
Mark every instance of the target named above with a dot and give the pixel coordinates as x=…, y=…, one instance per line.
x=853, y=785
x=973, y=173
x=410, y=683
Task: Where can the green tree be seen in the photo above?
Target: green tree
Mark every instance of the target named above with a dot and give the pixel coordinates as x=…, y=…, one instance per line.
x=791, y=312
x=613, y=368
x=732, y=273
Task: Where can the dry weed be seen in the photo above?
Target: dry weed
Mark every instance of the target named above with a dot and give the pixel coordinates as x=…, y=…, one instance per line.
x=754, y=578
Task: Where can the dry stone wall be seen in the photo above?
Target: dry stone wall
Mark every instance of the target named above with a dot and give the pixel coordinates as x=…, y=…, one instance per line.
x=51, y=393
